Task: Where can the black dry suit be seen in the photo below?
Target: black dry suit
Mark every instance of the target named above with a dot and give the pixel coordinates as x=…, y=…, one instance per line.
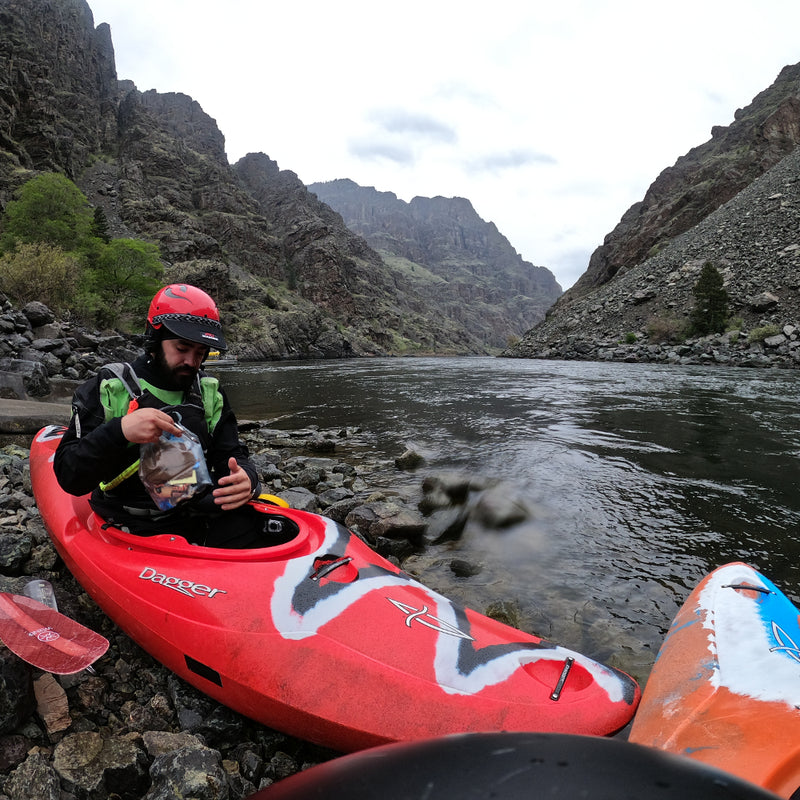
x=94, y=455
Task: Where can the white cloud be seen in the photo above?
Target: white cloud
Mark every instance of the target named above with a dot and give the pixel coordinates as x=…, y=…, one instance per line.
x=552, y=119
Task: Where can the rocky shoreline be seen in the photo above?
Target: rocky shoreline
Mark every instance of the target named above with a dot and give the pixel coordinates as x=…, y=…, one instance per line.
x=131, y=729
x=780, y=350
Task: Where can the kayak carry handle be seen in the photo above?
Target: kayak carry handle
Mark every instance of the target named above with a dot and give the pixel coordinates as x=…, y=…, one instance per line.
x=748, y=587
x=556, y=693
x=326, y=569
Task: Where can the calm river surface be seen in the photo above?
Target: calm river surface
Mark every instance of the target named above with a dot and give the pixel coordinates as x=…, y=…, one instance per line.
x=645, y=477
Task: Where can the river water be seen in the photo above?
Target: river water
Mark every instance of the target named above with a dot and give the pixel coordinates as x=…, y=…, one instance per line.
x=644, y=477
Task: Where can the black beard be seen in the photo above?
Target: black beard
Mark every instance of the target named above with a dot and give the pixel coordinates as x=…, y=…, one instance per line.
x=181, y=378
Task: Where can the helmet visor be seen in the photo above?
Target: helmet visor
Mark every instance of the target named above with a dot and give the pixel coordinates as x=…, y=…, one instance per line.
x=200, y=330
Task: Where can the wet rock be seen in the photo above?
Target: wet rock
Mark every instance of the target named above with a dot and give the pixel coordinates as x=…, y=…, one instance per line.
x=410, y=459
x=446, y=524
x=500, y=507
x=385, y=519
x=361, y=519
x=506, y=611
x=463, y=568
x=321, y=444
x=444, y=488
x=433, y=500
x=399, y=523
x=251, y=764
x=339, y=510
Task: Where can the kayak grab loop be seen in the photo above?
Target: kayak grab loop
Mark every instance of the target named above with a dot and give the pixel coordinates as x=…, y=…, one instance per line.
x=747, y=586
x=323, y=569
x=556, y=693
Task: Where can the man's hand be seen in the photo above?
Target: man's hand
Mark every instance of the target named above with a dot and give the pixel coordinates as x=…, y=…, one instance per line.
x=147, y=424
x=235, y=489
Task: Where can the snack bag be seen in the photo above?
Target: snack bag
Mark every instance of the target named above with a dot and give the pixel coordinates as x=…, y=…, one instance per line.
x=173, y=469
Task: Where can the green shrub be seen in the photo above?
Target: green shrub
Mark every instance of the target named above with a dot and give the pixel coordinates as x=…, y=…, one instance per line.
x=735, y=324
x=57, y=250
x=630, y=338
x=666, y=329
x=759, y=334
x=49, y=208
x=124, y=276
x=40, y=271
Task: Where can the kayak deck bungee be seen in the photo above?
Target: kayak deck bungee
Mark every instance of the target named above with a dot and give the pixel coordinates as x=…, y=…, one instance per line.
x=725, y=687
x=322, y=638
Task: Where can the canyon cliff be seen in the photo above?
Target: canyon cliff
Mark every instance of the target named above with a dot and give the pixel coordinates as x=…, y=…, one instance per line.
x=732, y=201
x=292, y=280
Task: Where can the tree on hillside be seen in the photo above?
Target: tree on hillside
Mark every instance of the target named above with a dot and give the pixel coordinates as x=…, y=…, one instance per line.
x=49, y=208
x=100, y=225
x=53, y=234
x=710, y=313
x=123, y=278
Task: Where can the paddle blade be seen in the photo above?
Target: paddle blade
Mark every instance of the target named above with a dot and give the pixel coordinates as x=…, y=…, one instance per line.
x=45, y=638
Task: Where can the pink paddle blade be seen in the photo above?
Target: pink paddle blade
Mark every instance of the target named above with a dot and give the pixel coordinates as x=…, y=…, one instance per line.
x=46, y=638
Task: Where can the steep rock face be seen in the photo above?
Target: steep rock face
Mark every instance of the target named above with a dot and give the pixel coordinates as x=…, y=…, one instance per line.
x=701, y=181
x=292, y=280
x=57, y=85
x=474, y=270
x=754, y=242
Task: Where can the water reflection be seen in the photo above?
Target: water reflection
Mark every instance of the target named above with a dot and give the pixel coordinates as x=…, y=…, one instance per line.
x=646, y=477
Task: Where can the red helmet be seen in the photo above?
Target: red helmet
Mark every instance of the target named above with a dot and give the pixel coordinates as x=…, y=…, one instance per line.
x=186, y=312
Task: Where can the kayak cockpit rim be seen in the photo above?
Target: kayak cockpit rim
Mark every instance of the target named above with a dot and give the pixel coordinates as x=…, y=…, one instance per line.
x=179, y=546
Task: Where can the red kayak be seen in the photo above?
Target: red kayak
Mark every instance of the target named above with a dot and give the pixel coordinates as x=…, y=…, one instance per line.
x=322, y=638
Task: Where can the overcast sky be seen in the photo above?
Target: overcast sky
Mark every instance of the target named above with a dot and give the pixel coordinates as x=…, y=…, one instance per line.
x=552, y=118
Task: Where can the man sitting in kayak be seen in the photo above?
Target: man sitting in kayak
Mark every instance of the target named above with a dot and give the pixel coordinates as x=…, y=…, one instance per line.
x=126, y=406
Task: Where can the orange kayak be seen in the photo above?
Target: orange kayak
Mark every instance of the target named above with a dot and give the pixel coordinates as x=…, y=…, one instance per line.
x=725, y=688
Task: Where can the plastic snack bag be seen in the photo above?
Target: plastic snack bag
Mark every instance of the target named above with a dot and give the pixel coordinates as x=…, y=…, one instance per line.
x=173, y=469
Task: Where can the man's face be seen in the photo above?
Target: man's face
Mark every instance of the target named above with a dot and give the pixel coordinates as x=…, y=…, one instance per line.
x=179, y=361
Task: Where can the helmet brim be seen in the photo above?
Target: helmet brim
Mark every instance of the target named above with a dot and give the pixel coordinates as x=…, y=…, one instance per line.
x=199, y=330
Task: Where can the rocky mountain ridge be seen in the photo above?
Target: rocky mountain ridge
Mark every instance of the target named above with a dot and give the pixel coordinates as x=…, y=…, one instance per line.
x=474, y=268
x=754, y=242
x=732, y=201
x=702, y=180
x=292, y=280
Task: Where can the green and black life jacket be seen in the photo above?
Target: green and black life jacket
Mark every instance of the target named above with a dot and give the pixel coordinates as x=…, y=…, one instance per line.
x=122, y=391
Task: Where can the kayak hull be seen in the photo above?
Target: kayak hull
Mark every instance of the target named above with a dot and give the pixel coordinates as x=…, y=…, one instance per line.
x=725, y=687
x=320, y=637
